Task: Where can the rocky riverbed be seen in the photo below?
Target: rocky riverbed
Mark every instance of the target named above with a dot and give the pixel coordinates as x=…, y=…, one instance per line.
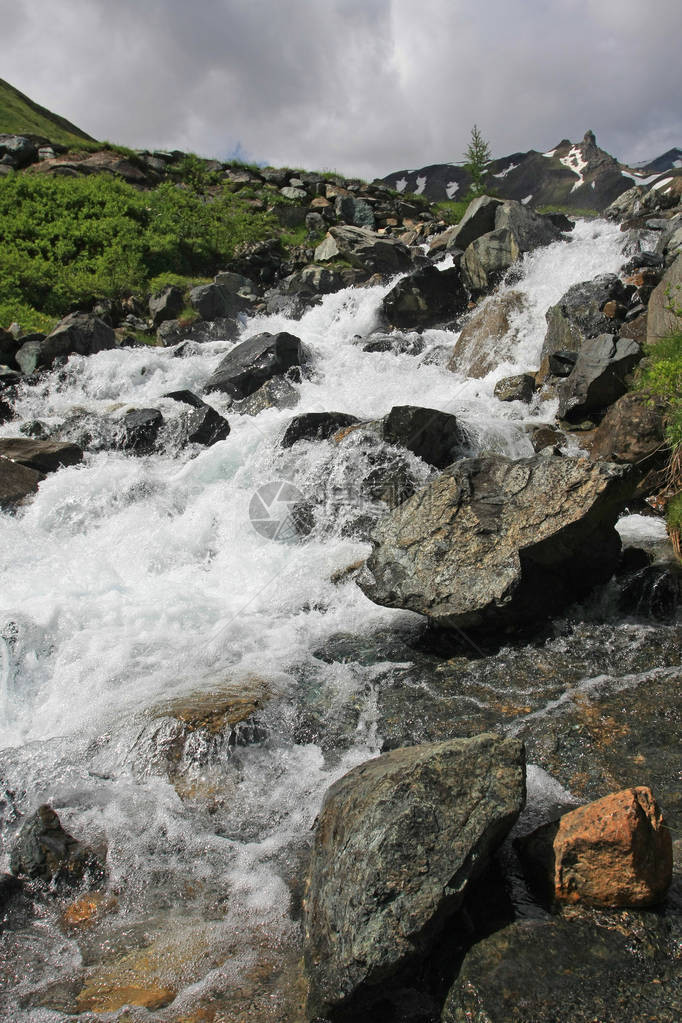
x=236, y=570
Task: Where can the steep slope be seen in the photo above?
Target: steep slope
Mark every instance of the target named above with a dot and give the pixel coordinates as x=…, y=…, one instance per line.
x=19, y=115
x=574, y=175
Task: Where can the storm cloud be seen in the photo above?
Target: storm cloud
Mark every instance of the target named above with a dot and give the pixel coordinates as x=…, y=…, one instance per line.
x=362, y=86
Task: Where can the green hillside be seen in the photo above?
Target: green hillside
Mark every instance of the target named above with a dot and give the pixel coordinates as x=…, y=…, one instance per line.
x=19, y=115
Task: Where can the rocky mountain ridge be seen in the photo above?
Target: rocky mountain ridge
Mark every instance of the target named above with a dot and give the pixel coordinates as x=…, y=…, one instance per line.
x=580, y=176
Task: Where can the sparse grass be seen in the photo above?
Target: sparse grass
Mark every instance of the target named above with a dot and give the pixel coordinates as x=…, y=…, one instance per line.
x=451, y=210
x=19, y=115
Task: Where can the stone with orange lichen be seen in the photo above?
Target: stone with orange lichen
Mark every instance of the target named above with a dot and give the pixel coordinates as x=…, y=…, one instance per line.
x=616, y=851
x=86, y=910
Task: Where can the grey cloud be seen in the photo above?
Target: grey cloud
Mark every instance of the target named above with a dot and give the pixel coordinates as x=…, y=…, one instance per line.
x=366, y=86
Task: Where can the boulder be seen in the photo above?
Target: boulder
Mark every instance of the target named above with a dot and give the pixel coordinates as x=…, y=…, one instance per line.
x=76, y=334
x=478, y=219
x=425, y=298
x=6, y=411
x=365, y=249
x=17, y=151
x=599, y=377
x=486, y=338
x=17, y=482
x=166, y=304
x=316, y=426
x=434, y=436
x=517, y=388
x=396, y=342
x=28, y=355
x=8, y=349
x=666, y=296
x=398, y=840
x=578, y=315
x=44, y=850
x=613, y=852
x=275, y=393
x=139, y=430
x=560, y=971
x=205, y=425
x=42, y=456
x=173, y=332
x=495, y=542
x=249, y=364
x=354, y=211
x=517, y=229
x=631, y=431
x=215, y=302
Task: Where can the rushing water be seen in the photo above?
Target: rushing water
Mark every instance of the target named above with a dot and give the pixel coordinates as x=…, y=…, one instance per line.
x=135, y=584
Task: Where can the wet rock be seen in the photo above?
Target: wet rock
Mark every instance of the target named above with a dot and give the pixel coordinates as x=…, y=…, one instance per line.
x=276, y=393
x=8, y=349
x=17, y=482
x=653, y=591
x=494, y=542
x=6, y=411
x=396, y=342
x=250, y=364
x=432, y=816
x=166, y=304
x=173, y=332
x=44, y=850
x=561, y=363
x=434, y=436
x=140, y=428
x=517, y=388
x=28, y=355
x=76, y=334
x=41, y=455
x=517, y=230
x=485, y=339
x=613, y=852
x=547, y=437
x=205, y=425
x=315, y=426
x=363, y=248
x=425, y=297
x=559, y=971
x=579, y=315
x=599, y=377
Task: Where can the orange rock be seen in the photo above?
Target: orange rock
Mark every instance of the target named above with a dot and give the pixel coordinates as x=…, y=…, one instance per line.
x=616, y=851
x=87, y=909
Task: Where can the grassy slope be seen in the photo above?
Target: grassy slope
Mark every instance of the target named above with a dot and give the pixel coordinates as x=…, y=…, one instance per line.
x=20, y=115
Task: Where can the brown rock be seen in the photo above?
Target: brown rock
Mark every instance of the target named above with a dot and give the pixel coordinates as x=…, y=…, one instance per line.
x=631, y=431
x=16, y=482
x=485, y=340
x=616, y=851
x=87, y=910
x=40, y=455
x=636, y=329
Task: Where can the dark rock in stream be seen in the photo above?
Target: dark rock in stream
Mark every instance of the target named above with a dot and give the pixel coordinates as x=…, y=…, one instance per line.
x=253, y=362
x=425, y=298
x=205, y=425
x=434, y=436
x=599, y=377
x=17, y=482
x=560, y=971
x=140, y=430
x=77, y=334
x=315, y=426
x=45, y=851
x=494, y=543
x=653, y=591
x=431, y=816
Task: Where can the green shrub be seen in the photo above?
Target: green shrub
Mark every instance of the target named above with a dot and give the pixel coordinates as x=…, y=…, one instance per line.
x=662, y=376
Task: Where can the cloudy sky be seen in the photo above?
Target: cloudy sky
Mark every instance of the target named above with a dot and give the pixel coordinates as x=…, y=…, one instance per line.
x=361, y=86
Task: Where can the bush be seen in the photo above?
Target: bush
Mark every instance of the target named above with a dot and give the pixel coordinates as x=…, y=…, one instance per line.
x=67, y=242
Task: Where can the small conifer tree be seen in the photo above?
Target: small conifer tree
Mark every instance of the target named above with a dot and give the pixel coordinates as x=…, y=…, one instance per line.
x=477, y=157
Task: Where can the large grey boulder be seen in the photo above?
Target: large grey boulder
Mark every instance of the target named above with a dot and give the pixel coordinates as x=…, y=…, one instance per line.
x=599, y=377
x=494, y=542
x=216, y=302
x=425, y=298
x=365, y=249
x=516, y=230
x=397, y=842
x=76, y=334
x=478, y=219
x=204, y=425
x=250, y=364
x=579, y=314
x=17, y=150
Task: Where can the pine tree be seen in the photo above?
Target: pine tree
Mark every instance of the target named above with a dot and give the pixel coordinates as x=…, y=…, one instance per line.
x=477, y=157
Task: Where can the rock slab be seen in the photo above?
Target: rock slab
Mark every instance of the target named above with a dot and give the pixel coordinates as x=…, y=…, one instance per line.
x=398, y=839
x=495, y=542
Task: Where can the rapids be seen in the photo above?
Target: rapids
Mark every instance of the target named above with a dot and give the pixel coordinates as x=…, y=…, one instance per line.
x=133, y=583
